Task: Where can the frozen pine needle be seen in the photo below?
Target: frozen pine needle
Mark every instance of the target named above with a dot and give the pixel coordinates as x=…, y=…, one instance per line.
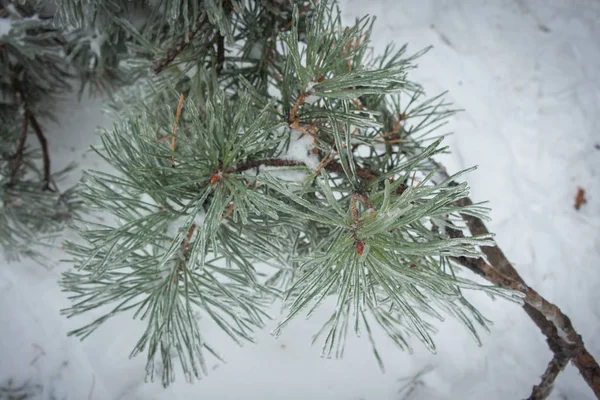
x=177, y=115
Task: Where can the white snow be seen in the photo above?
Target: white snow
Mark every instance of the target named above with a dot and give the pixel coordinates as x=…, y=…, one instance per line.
x=300, y=149
x=256, y=51
x=12, y=10
x=527, y=72
x=96, y=42
x=310, y=87
x=5, y=26
x=311, y=99
x=180, y=221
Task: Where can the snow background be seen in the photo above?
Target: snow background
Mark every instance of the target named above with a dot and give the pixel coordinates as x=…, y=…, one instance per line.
x=528, y=75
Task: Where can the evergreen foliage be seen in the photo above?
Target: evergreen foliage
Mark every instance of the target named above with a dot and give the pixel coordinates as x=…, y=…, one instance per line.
x=267, y=153
x=33, y=73
x=261, y=151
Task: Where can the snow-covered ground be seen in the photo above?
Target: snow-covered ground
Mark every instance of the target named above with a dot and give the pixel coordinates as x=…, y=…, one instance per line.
x=527, y=74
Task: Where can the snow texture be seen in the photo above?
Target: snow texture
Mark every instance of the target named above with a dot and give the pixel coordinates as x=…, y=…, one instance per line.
x=300, y=149
x=311, y=99
x=527, y=72
x=5, y=26
x=256, y=51
x=96, y=42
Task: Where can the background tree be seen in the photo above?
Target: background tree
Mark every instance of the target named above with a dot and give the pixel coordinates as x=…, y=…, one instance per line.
x=33, y=72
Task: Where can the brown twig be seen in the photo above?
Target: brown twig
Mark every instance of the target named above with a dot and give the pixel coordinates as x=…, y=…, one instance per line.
x=179, y=45
x=269, y=162
x=562, y=338
x=19, y=153
x=332, y=166
x=550, y=311
x=29, y=118
x=220, y=53
x=358, y=243
x=326, y=160
x=177, y=115
x=299, y=101
x=363, y=173
x=44, y=144
x=185, y=247
x=555, y=367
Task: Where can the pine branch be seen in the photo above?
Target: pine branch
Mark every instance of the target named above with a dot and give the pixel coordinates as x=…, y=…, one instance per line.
x=332, y=166
x=220, y=53
x=18, y=88
x=45, y=153
x=179, y=45
x=18, y=158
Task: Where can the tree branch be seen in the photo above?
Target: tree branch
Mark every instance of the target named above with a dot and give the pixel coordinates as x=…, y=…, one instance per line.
x=44, y=143
x=332, y=166
x=267, y=162
x=220, y=53
x=30, y=117
x=19, y=153
x=563, y=340
x=555, y=367
x=179, y=45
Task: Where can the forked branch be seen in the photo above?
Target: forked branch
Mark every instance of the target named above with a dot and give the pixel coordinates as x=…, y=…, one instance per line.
x=562, y=338
x=555, y=367
x=29, y=118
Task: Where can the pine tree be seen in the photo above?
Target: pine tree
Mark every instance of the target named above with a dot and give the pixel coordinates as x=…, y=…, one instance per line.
x=40, y=61
x=264, y=152
x=33, y=73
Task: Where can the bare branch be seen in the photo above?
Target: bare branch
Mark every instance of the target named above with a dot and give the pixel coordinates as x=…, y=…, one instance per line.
x=220, y=53
x=19, y=153
x=44, y=144
x=555, y=367
x=29, y=117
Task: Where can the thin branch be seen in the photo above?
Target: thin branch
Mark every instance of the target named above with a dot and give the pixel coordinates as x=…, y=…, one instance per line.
x=179, y=45
x=19, y=153
x=364, y=173
x=332, y=166
x=30, y=117
x=44, y=144
x=563, y=334
x=555, y=367
x=552, y=313
x=220, y=53
x=177, y=115
x=268, y=162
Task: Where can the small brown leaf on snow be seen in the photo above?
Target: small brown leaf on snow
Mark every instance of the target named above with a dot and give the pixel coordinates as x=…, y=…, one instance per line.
x=580, y=198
